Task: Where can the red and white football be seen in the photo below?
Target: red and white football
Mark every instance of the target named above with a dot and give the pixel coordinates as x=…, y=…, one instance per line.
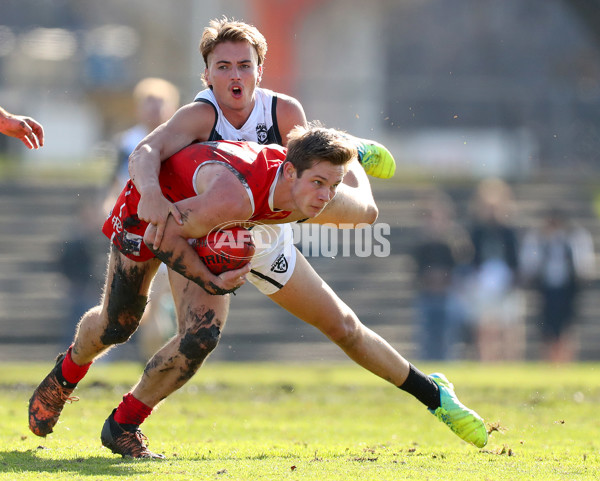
x=225, y=249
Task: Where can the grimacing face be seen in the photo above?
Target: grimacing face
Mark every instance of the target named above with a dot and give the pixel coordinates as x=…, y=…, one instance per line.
x=316, y=187
x=233, y=73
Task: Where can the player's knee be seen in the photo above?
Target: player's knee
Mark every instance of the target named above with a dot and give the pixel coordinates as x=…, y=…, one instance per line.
x=125, y=305
x=345, y=331
x=124, y=317
x=117, y=334
x=196, y=345
x=201, y=335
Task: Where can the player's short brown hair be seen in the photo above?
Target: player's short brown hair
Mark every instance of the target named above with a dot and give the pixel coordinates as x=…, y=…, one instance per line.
x=229, y=30
x=317, y=143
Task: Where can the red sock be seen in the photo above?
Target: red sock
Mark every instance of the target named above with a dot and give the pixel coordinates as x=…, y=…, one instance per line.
x=72, y=372
x=132, y=411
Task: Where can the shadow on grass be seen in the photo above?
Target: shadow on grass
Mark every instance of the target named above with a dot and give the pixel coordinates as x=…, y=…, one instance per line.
x=27, y=461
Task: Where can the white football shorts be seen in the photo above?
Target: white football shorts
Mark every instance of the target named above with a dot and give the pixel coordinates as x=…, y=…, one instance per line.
x=274, y=259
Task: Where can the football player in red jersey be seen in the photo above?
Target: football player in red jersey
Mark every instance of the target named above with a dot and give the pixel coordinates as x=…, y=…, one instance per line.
x=214, y=183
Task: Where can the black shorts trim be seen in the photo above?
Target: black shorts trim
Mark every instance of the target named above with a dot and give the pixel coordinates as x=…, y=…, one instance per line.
x=267, y=278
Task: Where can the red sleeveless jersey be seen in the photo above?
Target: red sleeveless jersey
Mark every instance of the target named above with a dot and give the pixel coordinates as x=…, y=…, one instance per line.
x=256, y=167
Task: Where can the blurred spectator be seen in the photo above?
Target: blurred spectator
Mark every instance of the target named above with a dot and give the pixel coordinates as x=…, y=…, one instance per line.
x=26, y=129
x=557, y=259
x=494, y=296
x=79, y=259
x=156, y=100
x=442, y=248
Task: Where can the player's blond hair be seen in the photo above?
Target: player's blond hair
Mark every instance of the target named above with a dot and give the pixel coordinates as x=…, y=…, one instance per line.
x=317, y=143
x=156, y=87
x=223, y=29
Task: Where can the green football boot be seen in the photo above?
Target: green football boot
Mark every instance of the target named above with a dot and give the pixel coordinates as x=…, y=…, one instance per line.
x=464, y=422
x=376, y=159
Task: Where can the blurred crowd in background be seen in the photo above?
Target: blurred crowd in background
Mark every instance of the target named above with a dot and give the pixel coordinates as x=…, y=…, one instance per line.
x=471, y=277
x=486, y=96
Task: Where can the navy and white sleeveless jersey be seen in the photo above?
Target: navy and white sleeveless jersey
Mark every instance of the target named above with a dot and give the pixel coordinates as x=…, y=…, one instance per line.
x=272, y=264
x=261, y=126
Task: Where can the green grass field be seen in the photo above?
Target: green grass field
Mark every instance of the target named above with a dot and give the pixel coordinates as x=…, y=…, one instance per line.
x=322, y=423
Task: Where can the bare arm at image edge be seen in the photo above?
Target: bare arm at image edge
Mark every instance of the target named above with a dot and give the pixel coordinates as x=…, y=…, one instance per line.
x=26, y=129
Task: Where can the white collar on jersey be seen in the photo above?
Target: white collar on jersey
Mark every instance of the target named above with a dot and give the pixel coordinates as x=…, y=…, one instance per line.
x=272, y=189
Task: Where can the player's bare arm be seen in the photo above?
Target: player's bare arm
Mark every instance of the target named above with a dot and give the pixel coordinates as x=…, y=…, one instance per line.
x=354, y=203
x=192, y=122
x=222, y=198
x=28, y=130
